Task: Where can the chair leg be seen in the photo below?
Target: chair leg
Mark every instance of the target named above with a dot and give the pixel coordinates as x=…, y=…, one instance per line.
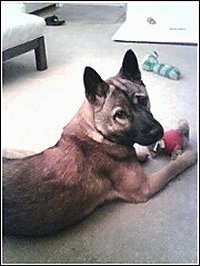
x=40, y=55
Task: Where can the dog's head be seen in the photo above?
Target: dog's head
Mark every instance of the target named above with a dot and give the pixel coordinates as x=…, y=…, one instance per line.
x=121, y=106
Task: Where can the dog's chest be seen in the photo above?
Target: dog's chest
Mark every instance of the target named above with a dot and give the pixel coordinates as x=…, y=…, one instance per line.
x=103, y=163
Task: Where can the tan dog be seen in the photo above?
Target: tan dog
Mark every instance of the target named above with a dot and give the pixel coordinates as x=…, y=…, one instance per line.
x=93, y=161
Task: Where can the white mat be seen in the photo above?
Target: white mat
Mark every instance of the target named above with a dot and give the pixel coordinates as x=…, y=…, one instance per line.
x=177, y=24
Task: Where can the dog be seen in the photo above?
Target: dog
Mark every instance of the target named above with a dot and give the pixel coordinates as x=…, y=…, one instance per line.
x=93, y=161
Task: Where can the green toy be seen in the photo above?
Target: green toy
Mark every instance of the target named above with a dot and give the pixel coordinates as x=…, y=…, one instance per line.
x=150, y=63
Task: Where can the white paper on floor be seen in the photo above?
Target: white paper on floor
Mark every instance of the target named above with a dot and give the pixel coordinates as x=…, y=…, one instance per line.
x=175, y=23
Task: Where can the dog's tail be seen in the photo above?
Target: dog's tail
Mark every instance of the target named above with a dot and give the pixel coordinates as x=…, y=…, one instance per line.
x=16, y=154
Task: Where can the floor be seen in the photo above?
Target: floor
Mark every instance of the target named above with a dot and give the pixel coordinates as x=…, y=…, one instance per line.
x=37, y=105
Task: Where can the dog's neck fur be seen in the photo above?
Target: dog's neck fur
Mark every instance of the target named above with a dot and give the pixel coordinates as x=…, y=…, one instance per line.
x=84, y=119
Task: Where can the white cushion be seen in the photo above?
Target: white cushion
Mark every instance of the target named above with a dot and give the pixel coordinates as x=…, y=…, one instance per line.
x=19, y=27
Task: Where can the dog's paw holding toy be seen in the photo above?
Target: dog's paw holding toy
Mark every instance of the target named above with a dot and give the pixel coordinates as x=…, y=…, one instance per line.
x=173, y=142
x=151, y=63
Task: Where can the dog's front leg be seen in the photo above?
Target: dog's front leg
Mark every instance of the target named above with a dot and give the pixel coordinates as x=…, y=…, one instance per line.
x=159, y=179
x=139, y=187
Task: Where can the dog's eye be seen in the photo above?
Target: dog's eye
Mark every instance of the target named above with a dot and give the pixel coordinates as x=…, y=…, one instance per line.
x=120, y=114
x=142, y=101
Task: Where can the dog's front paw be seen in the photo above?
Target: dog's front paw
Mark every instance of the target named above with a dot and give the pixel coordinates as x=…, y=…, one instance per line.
x=175, y=154
x=189, y=157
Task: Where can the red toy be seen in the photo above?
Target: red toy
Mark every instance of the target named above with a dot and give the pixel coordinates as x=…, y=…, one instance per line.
x=173, y=141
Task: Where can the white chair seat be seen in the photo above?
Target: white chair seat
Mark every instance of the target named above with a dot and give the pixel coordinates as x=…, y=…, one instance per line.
x=24, y=28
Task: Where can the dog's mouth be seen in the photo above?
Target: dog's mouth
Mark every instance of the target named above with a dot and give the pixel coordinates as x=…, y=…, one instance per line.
x=149, y=130
x=150, y=138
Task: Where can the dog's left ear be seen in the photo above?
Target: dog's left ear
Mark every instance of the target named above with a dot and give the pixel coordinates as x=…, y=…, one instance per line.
x=130, y=69
x=96, y=89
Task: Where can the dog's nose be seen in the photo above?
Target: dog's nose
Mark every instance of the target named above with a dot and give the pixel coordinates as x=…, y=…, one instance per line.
x=157, y=132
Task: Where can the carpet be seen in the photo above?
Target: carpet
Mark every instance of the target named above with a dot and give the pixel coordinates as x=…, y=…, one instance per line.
x=172, y=24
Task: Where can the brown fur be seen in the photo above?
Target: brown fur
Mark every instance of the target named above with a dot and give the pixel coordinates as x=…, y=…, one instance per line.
x=93, y=161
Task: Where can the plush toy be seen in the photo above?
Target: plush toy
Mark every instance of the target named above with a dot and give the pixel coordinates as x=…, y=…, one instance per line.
x=173, y=141
x=150, y=63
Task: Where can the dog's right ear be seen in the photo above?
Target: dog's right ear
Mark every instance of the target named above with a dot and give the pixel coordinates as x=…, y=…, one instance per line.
x=96, y=89
x=130, y=69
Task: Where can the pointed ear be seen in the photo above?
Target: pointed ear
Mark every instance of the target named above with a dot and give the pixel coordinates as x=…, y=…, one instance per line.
x=130, y=69
x=95, y=88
